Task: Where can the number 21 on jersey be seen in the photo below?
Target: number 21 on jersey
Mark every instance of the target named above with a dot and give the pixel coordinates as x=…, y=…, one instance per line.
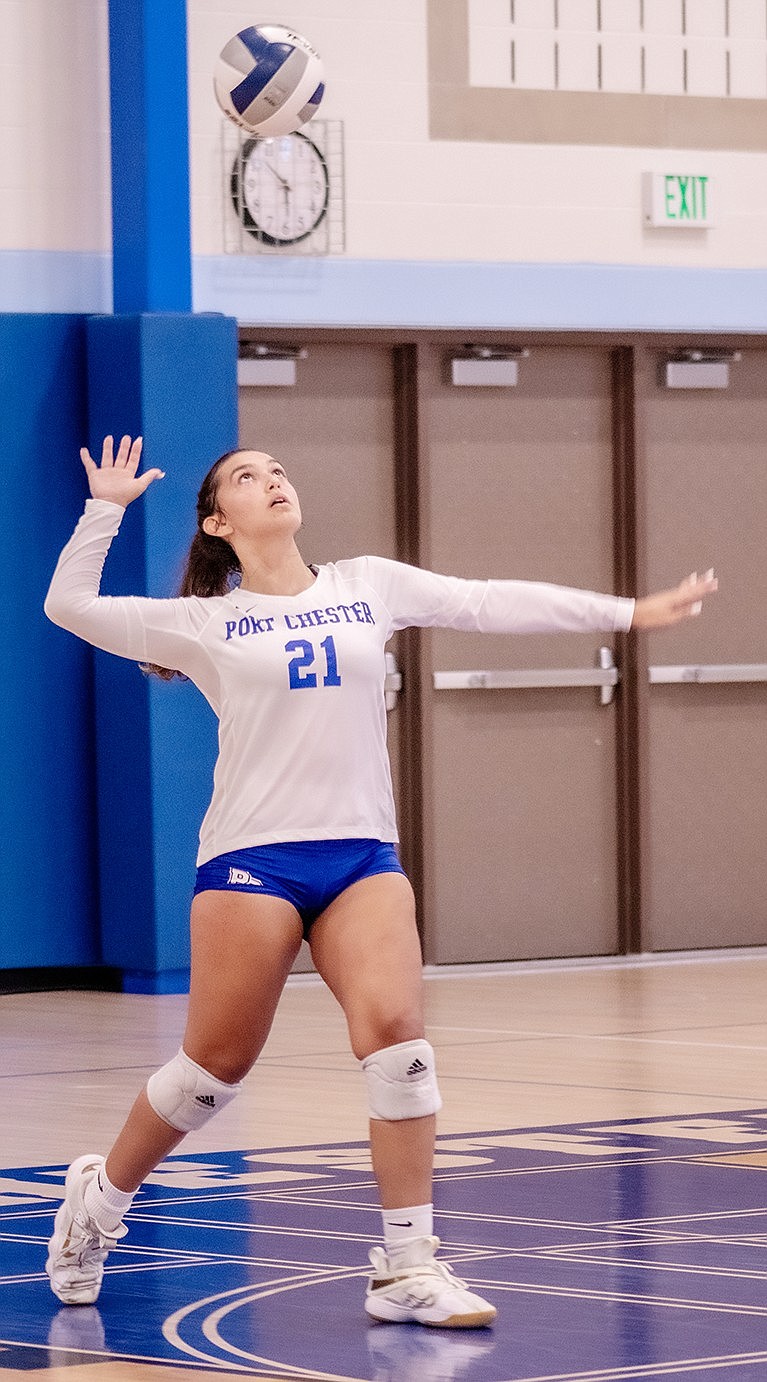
x=299, y=672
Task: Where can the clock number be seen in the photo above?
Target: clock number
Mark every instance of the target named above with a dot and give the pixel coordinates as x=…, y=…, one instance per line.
x=298, y=675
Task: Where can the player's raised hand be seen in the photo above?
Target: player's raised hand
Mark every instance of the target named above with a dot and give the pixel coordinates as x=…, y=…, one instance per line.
x=671, y=606
x=115, y=478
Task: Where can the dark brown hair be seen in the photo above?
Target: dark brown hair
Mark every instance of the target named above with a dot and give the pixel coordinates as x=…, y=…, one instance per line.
x=211, y=561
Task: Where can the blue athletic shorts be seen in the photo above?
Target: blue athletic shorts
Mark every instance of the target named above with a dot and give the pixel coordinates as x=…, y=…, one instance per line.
x=309, y=874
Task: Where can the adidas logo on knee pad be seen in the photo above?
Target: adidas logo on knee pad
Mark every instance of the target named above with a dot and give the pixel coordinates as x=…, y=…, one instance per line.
x=401, y=1081
x=186, y=1096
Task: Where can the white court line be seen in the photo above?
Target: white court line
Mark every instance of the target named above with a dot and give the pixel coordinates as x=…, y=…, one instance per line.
x=587, y=1036
x=640, y=1370
x=706, y=1307
x=245, y=1295
x=704, y=1216
x=682, y=1269
x=113, y=1355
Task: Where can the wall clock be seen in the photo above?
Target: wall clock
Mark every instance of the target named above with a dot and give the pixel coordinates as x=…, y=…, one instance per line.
x=280, y=188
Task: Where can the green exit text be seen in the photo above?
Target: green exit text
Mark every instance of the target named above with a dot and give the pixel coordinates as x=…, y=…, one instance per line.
x=686, y=197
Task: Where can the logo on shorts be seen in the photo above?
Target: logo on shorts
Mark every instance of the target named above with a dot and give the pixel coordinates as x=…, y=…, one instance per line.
x=242, y=876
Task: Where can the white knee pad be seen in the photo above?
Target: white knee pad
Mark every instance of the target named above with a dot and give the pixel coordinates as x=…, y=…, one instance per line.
x=402, y=1082
x=186, y=1096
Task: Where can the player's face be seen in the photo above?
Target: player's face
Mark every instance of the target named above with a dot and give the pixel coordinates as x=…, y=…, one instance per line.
x=255, y=496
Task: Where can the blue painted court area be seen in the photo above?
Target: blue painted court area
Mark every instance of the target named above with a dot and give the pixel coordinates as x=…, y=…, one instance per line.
x=611, y=1250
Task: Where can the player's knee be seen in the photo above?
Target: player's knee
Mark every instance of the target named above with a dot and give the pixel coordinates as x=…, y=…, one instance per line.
x=381, y=1030
x=402, y=1081
x=185, y=1095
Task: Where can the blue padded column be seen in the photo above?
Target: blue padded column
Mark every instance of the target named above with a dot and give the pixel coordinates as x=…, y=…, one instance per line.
x=150, y=156
x=47, y=801
x=173, y=379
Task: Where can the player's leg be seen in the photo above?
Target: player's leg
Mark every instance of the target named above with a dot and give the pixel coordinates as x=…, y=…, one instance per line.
x=366, y=947
x=378, y=984
x=243, y=948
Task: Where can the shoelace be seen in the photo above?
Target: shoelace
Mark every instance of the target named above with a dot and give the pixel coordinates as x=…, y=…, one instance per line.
x=90, y=1242
x=383, y=1268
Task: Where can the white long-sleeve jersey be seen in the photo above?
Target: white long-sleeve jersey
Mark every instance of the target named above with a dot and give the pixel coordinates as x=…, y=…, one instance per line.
x=297, y=681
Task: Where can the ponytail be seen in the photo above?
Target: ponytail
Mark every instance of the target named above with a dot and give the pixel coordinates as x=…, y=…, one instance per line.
x=210, y=565
x=211, y=562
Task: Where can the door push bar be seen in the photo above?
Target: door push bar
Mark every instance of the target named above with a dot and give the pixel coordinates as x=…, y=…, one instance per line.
x=392, y=681
x=605, y=676
x=710, y=673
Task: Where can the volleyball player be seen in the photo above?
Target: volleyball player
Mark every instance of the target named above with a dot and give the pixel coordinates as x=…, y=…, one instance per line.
x=299, y=838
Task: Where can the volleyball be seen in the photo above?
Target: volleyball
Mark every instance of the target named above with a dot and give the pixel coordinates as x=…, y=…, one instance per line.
x=268, y=79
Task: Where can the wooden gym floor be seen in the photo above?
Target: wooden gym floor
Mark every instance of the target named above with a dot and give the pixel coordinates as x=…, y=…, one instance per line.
x=601, y=1176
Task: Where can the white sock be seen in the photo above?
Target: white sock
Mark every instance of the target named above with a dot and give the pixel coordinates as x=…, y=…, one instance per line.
x=402, y=1224
x=104, y=1203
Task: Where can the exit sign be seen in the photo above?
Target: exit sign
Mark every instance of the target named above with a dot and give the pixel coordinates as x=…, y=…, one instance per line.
x=680, y=201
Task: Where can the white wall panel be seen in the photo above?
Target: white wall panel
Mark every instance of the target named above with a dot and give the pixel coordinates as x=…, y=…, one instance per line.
x=492, y=13
x=748, y=19
x=534, y=66
x=534, y=14
x=663, y=16
x=706, y=67
x=621, y=62
x=621, y=16
x=577, y=66
x=54, y=125
x=407, y=196
x=748, y=71
x=706, y=18
x=577, y=15
x=664, y=65
x=490, y=56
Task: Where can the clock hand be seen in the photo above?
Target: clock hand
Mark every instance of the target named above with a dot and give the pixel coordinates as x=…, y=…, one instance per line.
x=284, y=181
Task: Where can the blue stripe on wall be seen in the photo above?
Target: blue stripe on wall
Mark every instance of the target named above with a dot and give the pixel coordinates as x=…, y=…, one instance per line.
x=295, y=291
x=397, y=293
x=55, y=281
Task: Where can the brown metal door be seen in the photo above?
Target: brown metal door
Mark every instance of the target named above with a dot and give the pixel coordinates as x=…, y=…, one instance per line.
x=704, y=495
x=520, y=789
x=334, y=431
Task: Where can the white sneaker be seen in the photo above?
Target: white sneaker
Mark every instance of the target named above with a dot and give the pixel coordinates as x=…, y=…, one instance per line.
x=419, y=1288
x=78, y=1248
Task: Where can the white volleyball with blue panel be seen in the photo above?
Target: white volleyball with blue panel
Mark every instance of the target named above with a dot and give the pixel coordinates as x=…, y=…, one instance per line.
x=269, y=80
